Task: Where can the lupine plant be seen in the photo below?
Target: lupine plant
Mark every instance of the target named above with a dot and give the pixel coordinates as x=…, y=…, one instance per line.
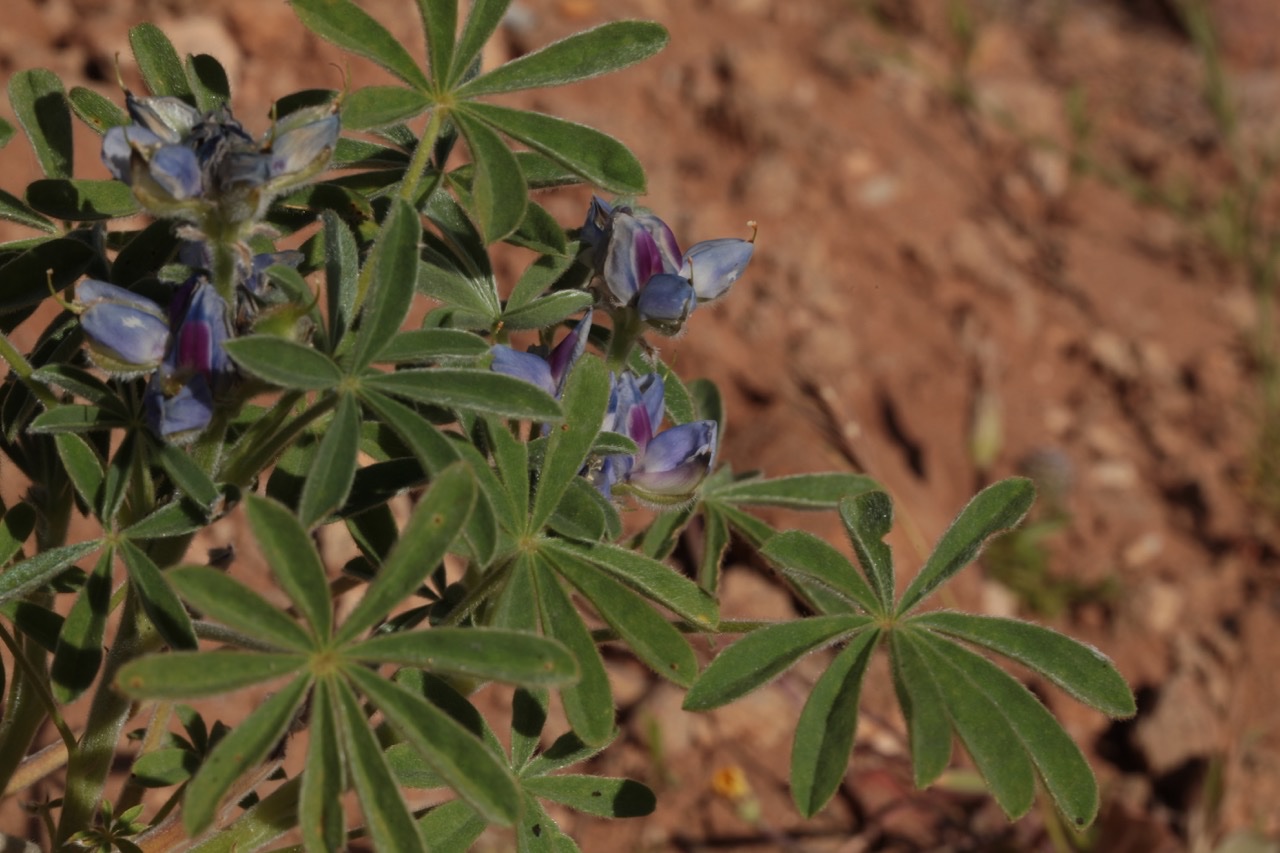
x=184, y=366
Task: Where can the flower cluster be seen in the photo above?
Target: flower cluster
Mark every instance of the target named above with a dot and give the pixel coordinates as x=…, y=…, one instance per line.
x=638, y=259
x=204, y=167
x=648, y=279
x=182, y=348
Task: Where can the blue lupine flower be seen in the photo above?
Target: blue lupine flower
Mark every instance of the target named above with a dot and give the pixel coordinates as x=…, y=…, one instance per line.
x=205, y=168
x=643, y=269
x=548, y=372
x=196, y=370
x=670, y=465
x=127, y=333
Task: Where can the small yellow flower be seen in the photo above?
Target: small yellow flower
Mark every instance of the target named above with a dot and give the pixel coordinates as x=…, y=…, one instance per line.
x=731, y=783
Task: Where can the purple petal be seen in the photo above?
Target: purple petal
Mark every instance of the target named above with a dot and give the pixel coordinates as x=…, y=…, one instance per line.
x=666, y=302
x=652, y=390
x=523, y=365
x=567, y=352
x=199, y=336
x=633, y=257
x=664, y=239
x=676, y=461
x=712, y=265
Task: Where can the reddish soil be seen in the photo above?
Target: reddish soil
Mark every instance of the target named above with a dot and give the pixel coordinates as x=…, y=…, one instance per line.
x=970, y=264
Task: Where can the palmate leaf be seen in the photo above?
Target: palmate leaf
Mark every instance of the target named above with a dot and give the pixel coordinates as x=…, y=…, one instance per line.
x=1030, y=727
x=330, y=479
x=243, y=748
x=100, y=113
x=388, y=823
x=648, y=577
x=589, y=703
x=27, y=277
x=928, y=725
x=597, y=157
x=230, y=602
x=351, y=28
x=586, y=395
x=16, y=525
x=763, y=655
x=801, y=491
x=439, y=24
x=602, y=50
x=997, y=507
x=320, y=812
x=294, y=562
x=16, y=210
x=453, y=827
x=824, y=732
x=284, y=363
x=652, y=638
x=491, y=654
x=79, y=652
x=395, y=272
x=470, y=767
x=1080, y=670
x=499, y=194
x=426, y=537
x=209, y=83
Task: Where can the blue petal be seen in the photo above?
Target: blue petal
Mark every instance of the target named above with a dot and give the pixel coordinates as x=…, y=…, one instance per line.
x=184, y=414
x=523, y=365
x=117, y=153
x=134, y=340
x=91, y=291
x=599, y=220
x=713, y=265
x=666, y=302
x=305, y=149
x=176, y=170
x=676, y=461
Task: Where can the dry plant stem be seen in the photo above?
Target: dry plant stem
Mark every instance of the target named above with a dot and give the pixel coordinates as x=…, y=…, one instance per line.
x=37, y=766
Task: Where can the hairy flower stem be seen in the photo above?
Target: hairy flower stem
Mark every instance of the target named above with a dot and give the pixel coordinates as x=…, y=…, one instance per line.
x=90, y=763
x=422, y=156
x=627, y=329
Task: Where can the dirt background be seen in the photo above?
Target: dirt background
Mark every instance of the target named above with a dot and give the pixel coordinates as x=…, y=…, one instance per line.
x=995, y=237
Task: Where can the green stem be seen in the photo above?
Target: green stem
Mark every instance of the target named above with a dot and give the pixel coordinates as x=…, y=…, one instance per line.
x=256, y=454
x=37, y=679
x=90, y=763
x=24, y=713
x=476, y=595
x=422, y=156
x=224, y=269
x=627, y=328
